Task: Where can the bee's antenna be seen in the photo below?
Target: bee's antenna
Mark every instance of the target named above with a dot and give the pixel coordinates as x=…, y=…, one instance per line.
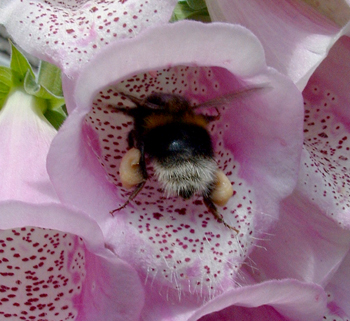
x=227, y=98
x=135, y=100
x=140, y=102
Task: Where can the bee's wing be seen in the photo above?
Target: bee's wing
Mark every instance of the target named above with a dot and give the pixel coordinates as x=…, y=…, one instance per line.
x=135, y=100
x=131, y=111
x=228, y=98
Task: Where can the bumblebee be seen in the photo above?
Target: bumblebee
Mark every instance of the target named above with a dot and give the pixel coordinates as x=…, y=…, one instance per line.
x=177, y=142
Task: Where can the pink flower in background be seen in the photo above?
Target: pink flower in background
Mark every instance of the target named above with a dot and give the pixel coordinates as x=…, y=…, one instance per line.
x=49, y=270
x=69, y=33
x=295, y=37
x=311, y=240
x=314, y=224
x=54, y=266
x=25, y=139
x=48, y=274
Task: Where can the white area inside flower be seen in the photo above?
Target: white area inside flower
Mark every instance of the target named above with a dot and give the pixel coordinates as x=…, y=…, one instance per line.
x=78, y=29
x=190, y=250
x=325, y=178
x=41, y=271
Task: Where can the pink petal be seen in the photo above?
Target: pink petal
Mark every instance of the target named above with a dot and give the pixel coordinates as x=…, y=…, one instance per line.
x=324, y=176
x=189, y=252
x=52, y=274
x=269, y=301
x=291, y=299
x=337, y=11
x=305, y=245
x=296, y=38
x=25, y=139
x=68, y=33
x=338, y=289
x=311, y=240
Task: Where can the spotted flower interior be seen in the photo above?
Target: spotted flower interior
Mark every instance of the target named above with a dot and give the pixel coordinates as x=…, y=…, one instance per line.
x=327, y=144
x=181, y=232
x=112, y=129
x=69, y=33
x=326, y=130
x=42, y=274
x=177, y=245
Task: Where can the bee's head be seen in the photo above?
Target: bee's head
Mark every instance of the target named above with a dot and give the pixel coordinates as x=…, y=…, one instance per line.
x=167, y=102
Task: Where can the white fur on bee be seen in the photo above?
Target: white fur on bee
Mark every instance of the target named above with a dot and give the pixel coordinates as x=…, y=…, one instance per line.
x=196, y=174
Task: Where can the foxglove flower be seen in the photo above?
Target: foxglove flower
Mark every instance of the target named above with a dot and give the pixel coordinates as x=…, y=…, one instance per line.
x=296, y=38
x=54, y=266
x=49, y=269
x=186, y=306
x=25, y=132
x=69, y=33
x=311, y=240
x=181, y=252
x=322, y=193
x=89, y=266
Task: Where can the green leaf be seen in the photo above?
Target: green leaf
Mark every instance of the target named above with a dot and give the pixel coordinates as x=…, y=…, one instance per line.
x=47, y=88
x=56, y=116
x=6, y=76
x=5, y=83
x=184, y=11
x=2, y=100
x=19, y=63
x=54, y=112
x=4, y=90
x=50, y=78
x=33, y=88
x=58, y=105
x=197, y=4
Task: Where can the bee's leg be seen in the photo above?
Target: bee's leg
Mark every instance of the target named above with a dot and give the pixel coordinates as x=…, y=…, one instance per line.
x=210, y=118
x=137, y=190
x=126, y=111
x=131, y=138
x=139, y=186
x=212, y=209
x=121, y=109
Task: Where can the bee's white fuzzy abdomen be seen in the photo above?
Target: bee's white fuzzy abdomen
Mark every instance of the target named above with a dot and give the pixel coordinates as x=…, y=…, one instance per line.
x=193, y=175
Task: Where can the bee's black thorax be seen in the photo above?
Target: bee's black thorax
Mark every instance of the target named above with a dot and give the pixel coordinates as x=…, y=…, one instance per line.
x=179, y=141
x=183, y=158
